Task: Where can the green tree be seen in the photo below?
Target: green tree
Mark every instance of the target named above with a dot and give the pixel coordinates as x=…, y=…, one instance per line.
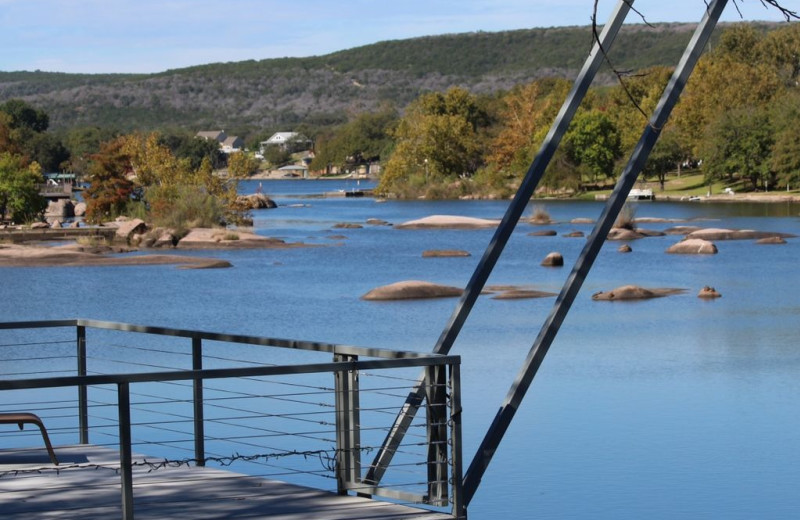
x=277, y=156
x=739, y=144
x=185, y=145
x=642, y=91
x=436, y=141
x=242, y=165
x=175, y=194
x=19, y=189
x=365, y=139
x=785, y=159
x=82, y=143
x=665, y=157
x=593, y=143
x=24, y=116
x=780, y=51
x=724, y=80
x=48, y=150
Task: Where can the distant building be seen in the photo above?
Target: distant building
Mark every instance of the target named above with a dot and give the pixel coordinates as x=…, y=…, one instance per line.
x=227, y=144
x=289, y=141
x=213, y=135
x=232, y=144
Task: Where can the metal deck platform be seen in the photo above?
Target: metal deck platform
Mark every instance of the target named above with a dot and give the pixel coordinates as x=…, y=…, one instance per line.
x=86, y=485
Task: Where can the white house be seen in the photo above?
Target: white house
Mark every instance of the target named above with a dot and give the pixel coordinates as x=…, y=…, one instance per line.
x=289, y=141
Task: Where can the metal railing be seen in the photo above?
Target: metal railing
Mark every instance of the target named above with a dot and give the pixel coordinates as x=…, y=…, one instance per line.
x=355, y=412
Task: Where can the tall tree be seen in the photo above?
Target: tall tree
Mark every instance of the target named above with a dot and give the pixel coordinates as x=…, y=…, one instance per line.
x=109, y=189
x=435, y=140
x=724, y=80
x=19, y=190
x=738, y=145
x=359, y=142
x=593, y=143
x=526, y=116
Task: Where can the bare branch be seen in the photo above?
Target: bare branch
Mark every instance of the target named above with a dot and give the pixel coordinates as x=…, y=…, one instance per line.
x=786, y=13
x=618, y=73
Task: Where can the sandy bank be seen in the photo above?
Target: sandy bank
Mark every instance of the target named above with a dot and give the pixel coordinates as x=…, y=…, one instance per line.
x=72, y=256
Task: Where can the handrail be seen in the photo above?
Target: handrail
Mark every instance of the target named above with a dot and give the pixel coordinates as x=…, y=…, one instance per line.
x=443, y=422
x=220, y=373
x=214, y=336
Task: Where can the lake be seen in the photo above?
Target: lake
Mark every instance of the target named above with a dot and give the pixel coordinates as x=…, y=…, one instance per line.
x=669, y=408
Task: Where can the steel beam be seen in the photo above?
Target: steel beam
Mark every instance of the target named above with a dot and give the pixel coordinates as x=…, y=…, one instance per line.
x=590, y=251
x=504, y=231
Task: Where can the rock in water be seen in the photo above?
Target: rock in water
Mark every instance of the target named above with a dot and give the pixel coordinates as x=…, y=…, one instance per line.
x=708, y=292
x=553, y=259
x=412, y=290
x=771, y=240
x=693, y=246
x=442, y=253
x=634, y=292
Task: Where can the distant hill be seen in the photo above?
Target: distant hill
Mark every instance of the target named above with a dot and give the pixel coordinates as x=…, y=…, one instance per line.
x=250, y=95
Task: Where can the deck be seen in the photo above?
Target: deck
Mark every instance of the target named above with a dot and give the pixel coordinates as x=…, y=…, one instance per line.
x=300, y=439
x=88, y=486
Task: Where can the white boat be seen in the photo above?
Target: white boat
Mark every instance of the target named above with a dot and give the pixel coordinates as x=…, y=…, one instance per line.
x=641, y=194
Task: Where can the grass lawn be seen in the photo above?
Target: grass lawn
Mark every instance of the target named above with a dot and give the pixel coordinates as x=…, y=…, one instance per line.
x=689, y=185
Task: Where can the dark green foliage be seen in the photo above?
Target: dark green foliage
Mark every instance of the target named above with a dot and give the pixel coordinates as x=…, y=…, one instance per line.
x=365, y=139
x=19, y=191
x=740, y=142
x=185, y=145
x=47, y=150
x=24, y=116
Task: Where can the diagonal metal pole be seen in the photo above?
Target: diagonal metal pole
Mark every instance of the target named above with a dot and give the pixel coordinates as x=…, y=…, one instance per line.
x=590, y=251
x=504, y=230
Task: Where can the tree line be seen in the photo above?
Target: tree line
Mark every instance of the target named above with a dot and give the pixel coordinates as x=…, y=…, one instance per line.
x=245, y=97
x=171, y=179
x=736, y=118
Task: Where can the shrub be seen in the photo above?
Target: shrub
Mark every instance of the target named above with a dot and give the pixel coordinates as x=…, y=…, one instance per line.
x=540, y=215
x=183, y=208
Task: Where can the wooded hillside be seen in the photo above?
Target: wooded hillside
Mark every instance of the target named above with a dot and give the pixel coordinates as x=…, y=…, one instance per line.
x=248, y=96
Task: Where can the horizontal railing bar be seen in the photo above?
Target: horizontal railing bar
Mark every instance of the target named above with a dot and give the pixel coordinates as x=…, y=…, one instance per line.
x=253, y=340
x=213, y=336
x=44, y=324
x=221, y=373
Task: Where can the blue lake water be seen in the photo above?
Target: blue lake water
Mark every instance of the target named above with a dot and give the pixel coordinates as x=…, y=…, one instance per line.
x=668, y=408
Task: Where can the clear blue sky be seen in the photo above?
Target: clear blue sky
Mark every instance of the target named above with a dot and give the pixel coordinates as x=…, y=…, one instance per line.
x=155, y=35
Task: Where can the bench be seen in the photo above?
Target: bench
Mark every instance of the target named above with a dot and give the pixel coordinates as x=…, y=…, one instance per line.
x=29, y=418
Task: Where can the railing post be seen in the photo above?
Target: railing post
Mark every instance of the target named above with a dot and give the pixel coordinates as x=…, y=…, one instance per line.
x=456, y=473
x=348, y=426
x=436, y=428
x=197, y=387
x=83, y=402
x=125, y=457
